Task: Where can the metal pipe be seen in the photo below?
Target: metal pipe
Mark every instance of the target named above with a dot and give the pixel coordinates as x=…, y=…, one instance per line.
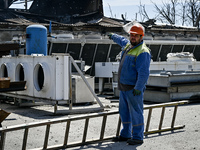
x=161, y=118
x=159, y=52
x=118, y=126
x=103, y=127
x=86, y=82
x=67, y=132
x=174, y=116
x=2, y=141
x=148, y=120
x=93, y=60
x=110, y=46
x=46, y=136
x=25, y=139
x=85, y=130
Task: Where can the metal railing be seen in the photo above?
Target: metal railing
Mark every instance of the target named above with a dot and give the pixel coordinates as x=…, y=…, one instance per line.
x=104, y=115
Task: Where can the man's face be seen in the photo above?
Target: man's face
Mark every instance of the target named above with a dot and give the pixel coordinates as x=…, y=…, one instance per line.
x=135, y=39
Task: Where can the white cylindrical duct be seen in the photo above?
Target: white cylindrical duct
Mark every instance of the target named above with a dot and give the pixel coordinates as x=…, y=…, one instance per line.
x=42, y=77
x=7, y=70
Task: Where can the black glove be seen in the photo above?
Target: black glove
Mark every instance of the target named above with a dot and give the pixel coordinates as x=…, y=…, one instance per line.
x=136, y=92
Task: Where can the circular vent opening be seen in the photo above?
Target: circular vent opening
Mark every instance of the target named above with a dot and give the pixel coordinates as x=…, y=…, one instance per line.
x=38, y=77
x=4, y=70
x=19, y=76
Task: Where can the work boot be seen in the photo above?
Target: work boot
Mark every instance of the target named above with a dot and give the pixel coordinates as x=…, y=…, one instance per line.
x=119, y=139
x=134, y=142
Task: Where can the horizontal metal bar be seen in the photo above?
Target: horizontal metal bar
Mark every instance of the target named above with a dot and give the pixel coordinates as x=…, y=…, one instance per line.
x=85, y=41
x=51, y=101
x=78, y=111
x=164, y=129
x=74, y=144
x=54, y=121
x=75, y=118
x=170, y=42
x=106, y=138
x=108, y=41
x=60, y=120
x=167, y=104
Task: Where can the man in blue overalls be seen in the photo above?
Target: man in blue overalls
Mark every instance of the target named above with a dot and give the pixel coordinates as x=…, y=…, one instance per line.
x=133, y=74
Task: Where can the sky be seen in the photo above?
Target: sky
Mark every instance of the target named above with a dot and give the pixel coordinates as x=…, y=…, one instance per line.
x=130, y=8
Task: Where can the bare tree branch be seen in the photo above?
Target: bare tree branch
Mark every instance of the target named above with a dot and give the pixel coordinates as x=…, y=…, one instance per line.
x=197, y=21
x=142, y=12
x=164, y=12
x=110, y=10
x=193, y=12
x=186, y=12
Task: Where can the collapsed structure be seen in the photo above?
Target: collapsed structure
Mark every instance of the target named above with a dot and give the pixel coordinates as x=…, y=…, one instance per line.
x=79, y=28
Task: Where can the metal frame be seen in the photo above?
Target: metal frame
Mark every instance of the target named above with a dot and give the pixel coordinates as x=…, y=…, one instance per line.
x=55, y=102
x=101, y=138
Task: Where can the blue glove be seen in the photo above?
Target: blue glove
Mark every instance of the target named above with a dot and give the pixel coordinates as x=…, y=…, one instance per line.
x=136, y=92
x=110, y=35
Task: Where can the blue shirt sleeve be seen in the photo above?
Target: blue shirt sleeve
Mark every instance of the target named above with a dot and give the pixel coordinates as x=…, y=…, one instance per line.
x=120, y=40
x=142, y=67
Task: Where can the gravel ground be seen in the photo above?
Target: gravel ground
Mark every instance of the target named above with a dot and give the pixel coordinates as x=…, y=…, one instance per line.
x=183, y=139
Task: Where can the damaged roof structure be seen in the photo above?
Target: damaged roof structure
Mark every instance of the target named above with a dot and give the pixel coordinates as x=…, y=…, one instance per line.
x=64, y=14
x=74, y=15
x=87, y=18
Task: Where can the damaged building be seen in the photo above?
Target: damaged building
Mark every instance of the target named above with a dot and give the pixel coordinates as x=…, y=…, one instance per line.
x=80, y=27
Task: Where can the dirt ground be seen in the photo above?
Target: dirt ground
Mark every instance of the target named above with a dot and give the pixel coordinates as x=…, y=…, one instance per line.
x=187, y=138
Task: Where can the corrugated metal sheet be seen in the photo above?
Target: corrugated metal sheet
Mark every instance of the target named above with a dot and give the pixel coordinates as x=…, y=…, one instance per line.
x=66, y=7
x=68, y=11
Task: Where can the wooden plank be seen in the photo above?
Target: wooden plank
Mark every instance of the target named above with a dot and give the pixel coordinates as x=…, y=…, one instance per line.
x=15, y=86
x=3, y=115
x=9, y=46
